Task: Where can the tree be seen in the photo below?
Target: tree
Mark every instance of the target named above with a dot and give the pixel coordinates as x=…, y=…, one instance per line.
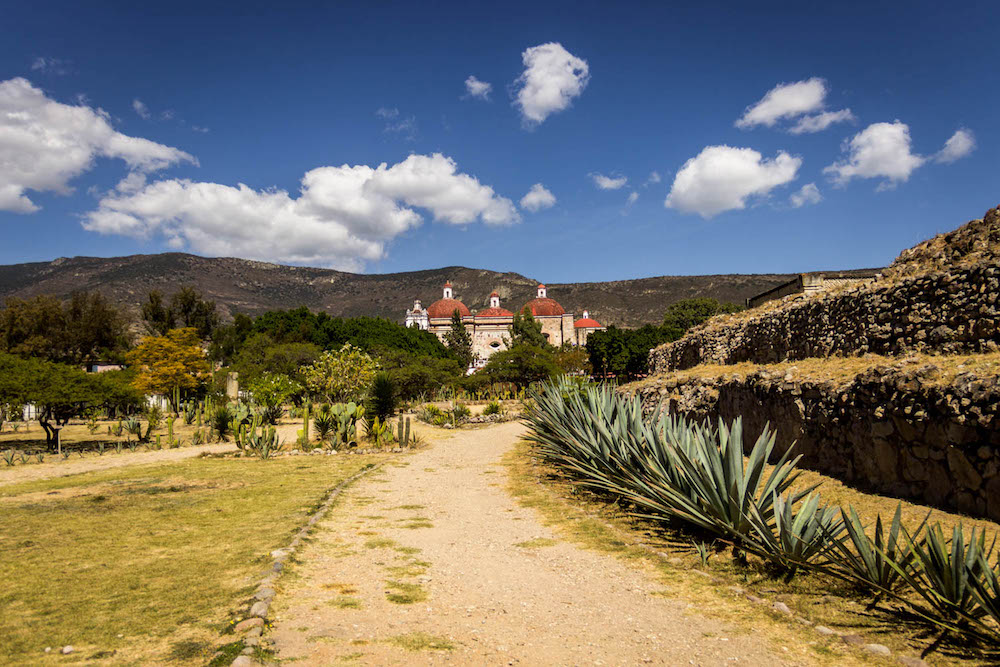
x=260, y=354
x=343, y=375
x=58, y=392
x=86, y=328
x=526, y=330
x=573, y=359
x=418, y=375
x=187, y=310
x=521, y=365
x=273, y=389
x=169, y=363
x=688, y=313
x=229, y=338
x=459, y=341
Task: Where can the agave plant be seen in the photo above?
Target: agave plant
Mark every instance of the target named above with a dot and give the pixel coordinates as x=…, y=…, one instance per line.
x=796, y=537
x=325, y=421
x=947, y=573
x=222, y=420
x=671, y=468
x=986, y=590
x=873, y=562
x=9, y=457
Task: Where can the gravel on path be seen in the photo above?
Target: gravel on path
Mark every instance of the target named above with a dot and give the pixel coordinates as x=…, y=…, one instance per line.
x=431, y=561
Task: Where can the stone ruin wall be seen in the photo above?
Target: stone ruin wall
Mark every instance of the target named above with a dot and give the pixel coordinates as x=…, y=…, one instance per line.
x=890, y=430
x=940, y=296
x=952, y=312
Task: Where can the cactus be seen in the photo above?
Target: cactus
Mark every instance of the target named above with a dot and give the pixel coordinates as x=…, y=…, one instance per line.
x=406, y=440
x=159, y=445
x=305, y=424
x=170, y=430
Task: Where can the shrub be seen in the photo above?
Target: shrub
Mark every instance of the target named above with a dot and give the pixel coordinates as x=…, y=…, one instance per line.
x=325, y=421
x=493, y=408
x=222, y=422
x=383, y=397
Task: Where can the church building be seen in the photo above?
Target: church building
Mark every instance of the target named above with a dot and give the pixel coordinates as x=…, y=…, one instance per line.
x=490, y=327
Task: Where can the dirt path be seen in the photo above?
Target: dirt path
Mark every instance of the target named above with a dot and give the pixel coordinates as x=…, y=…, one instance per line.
x=431, y=561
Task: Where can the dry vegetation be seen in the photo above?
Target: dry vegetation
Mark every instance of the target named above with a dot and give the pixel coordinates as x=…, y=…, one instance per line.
x=840, y=370
x=602, y=524
x=146, y=562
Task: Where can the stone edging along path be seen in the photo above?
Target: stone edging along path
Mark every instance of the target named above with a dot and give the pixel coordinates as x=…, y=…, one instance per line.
x=251, y=628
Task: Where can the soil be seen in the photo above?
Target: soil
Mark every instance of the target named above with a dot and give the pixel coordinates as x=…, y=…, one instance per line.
x=431, y=561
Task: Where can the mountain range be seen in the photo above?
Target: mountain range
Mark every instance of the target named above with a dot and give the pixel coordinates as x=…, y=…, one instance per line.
x=252, y=287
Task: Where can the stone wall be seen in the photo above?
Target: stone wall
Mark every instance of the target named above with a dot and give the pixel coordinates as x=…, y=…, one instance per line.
x=939, y=296
x=948, y=311
x=892, y=430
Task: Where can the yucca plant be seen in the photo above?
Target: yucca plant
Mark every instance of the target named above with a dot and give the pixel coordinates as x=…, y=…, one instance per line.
x=872, y=562
x=10, y=457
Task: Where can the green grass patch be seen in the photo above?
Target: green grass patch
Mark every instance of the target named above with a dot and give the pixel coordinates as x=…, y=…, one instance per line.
x=536, y=543
x=345, y=602
x=401, y=592
x=421, y=641
x=161, y=558
x=380, y=543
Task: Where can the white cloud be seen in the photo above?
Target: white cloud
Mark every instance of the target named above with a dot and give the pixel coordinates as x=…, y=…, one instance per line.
x=395, y=123
x=552, y=78
x=198, y=128
x=632, y=198
x=820, y=121
x=476, y=88
x=342, y=217
x=44, y=144
x=654, y=177
x=722, y=178
x=49, y=65
x=141, y=108
x=807, y=194
x=608, y=182
x=881, y=150
x=538, y=197
x=958, y=146
x=794, y=100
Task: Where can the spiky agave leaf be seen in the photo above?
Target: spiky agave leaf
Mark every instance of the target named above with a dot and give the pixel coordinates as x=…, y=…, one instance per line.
x=797, y=537
x=868, y=560
x=944, y=572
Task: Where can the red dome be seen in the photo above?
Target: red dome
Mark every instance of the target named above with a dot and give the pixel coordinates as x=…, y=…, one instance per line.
x=544, y=306
x=495, y=312
x=587, y=323
x=446, y=307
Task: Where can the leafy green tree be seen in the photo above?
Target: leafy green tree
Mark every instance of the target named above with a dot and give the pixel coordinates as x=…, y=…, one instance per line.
x=83, y=329
x=273, y=389
x=171, y=363
x=418, y=375
x=227, y=339
x=260, y=354
x=459, y=341
x=521, y=365
x=187, y=310
x=526, y=330
x=688, y=313
x=58, y=392
x=341, y=376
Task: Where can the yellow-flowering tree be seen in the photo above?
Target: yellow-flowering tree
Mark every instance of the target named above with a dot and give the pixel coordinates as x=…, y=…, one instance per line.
x=170, y=363
x=342, y=375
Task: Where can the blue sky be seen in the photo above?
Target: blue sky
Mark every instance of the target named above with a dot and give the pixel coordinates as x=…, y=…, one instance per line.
x=130, y=130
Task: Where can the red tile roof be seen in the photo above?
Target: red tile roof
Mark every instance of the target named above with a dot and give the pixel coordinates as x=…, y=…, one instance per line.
x=495, y=312
x=544, y=307
x=445, y=308
x=587, y=323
